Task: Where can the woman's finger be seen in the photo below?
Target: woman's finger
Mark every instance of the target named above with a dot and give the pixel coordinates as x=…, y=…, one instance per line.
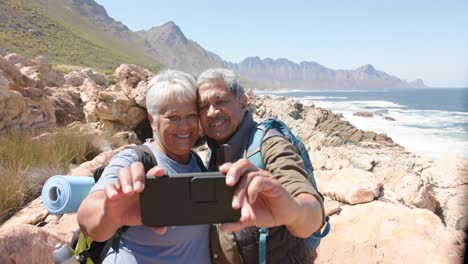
x=111, y=189
x=125, y=180
x=137, y=171
x=160, y=230
x=157, y=171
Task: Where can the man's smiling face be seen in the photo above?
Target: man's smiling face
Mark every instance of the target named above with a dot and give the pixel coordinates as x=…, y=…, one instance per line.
x=219, y=110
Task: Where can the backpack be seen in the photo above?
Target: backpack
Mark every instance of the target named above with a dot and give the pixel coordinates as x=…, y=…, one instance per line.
x=274, y=127
x=88, y=251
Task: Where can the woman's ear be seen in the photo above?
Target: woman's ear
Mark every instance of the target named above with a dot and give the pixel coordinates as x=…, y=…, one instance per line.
x=151, y=121
x=150, y=118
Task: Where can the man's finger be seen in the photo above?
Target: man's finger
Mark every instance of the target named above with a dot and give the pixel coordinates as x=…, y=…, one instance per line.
x=224, y=170
x=257, y=185
x=236, y=170
x=240, y=193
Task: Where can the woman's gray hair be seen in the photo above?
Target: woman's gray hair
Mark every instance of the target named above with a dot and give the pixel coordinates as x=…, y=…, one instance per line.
x=227, y=76
x=168, y=86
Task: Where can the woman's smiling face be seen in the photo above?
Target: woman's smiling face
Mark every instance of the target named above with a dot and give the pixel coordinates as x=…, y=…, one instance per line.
x=176, y=129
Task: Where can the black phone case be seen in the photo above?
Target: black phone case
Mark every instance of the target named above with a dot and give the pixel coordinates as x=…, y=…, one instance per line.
x=187, y=199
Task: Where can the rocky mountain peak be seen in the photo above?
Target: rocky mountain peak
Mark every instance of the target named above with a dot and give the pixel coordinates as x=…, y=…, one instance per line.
x=368, y=68
x=251, y=60
x=169, y=33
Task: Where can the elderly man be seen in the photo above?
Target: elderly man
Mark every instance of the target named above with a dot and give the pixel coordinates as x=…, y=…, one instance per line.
x=282, y=190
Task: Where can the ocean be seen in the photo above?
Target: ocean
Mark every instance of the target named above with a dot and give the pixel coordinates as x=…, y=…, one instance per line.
x=430, y=122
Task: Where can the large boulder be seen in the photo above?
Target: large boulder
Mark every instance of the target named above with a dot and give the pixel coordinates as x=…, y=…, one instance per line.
x=67, y=103
x=89, y=91
x=448, y=180
x=133, y=80
x=74, y=78
x=96, y=77
x=380, y=232
x=27, y=244
x=26, y=108
x=351, y=186
x=32, y=214
x=117, y=112
x=41, y=72
x=11, y=73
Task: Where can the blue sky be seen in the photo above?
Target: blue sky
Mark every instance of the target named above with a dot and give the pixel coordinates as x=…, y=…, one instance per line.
x=408, y=39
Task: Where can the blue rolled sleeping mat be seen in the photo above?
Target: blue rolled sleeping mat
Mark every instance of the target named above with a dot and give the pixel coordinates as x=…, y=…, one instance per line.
x=64, y=194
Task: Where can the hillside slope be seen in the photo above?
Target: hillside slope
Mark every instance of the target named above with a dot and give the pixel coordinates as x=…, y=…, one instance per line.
x=56, y=31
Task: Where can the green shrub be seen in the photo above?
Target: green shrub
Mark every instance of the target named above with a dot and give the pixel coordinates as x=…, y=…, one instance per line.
x=27, y=162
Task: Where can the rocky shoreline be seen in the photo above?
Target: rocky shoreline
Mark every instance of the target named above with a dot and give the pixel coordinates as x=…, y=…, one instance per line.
x=386, y=205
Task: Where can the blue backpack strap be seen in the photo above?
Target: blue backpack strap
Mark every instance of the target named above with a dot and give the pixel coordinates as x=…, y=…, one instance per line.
x=262, y=245
x=314, y=240
x=275, y=127
x=253, y=152
x=254, y=155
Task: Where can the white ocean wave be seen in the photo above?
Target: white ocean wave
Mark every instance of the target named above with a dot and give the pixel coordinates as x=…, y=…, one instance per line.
x=323, y=97
x=279, y=91
x=356, y=105
x=434, y=136
x=431, y=133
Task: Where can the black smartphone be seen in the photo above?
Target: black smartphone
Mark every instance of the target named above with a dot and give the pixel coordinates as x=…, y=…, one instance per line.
x=187, y=199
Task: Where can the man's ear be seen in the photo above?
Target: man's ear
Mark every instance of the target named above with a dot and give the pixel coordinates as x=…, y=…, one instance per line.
x=244, y=102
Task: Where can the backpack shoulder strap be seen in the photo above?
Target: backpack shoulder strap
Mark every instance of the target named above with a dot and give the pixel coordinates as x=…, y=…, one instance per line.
x=253, y=151
x=199, y=161
x=112, y=242
x=145, y=155
x=263, y=131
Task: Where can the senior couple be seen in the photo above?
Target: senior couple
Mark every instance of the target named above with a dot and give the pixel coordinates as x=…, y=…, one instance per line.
x=279, y=197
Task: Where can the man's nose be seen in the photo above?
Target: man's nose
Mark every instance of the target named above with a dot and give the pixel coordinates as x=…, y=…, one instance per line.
x=212, y=110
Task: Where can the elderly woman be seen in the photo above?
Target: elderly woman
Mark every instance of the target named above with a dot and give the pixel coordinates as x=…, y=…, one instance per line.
x=114, y=200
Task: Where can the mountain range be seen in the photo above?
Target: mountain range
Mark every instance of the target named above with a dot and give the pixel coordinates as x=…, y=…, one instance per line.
x=80, y=32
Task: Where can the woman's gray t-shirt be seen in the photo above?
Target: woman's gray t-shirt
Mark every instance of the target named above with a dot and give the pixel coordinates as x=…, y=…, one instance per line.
x=139, y=244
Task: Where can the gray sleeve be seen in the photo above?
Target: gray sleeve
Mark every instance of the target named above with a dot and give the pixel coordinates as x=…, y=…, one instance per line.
x=123, y=159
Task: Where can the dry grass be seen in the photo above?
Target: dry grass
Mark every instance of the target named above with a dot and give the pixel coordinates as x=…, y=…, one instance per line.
x=27, y=162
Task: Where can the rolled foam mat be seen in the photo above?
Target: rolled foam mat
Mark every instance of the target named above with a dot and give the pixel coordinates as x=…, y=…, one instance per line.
x=64, y=194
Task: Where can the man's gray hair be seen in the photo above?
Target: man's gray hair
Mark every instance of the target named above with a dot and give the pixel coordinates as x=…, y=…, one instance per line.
x=225, y=75
x=168, y=86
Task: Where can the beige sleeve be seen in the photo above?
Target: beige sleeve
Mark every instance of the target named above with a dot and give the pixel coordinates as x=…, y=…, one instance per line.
x=281, y=160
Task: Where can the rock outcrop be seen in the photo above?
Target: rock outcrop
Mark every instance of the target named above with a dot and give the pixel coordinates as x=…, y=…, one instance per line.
x=381, y=232
x=386, y=205
x=22, y=103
